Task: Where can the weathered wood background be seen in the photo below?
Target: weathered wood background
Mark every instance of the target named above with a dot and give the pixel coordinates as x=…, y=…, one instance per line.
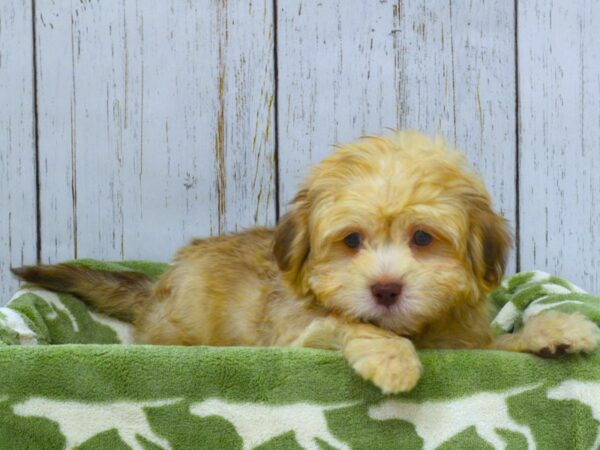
x=128, y=127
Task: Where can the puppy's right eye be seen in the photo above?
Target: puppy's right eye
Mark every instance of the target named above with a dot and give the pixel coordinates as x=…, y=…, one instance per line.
x=353, y=240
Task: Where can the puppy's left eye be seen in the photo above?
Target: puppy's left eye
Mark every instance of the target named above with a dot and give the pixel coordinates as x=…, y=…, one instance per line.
x=421, y=238
x=353, y=240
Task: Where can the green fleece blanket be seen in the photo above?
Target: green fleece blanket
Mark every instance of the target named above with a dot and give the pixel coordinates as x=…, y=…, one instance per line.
x=106, y=395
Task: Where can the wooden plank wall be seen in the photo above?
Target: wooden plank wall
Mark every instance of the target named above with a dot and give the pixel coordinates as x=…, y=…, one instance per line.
x=156, y=124
x=559, y=115
x=132, y=126
x=417, y=64
x=18, y=203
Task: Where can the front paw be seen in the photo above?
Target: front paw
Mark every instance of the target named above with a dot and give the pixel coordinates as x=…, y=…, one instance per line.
x=554, y=333
x=392, y=364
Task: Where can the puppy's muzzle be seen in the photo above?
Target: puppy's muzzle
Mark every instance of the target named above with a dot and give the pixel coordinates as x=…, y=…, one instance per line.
x=386, y=294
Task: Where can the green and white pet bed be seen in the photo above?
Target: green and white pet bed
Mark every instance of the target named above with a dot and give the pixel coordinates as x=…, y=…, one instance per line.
x=70, y=379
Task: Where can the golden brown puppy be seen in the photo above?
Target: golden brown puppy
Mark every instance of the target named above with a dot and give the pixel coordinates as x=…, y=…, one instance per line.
x=390, y=245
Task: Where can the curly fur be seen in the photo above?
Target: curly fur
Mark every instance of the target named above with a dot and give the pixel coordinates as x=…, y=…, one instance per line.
x=301, y=285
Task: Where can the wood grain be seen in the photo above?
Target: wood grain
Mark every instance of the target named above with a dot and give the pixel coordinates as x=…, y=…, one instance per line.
x=156, y=124
x=156, y=119
x=18, y=236
x=559, y=82
x=348, y=68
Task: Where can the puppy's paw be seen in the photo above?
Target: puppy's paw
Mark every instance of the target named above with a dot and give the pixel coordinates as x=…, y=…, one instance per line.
x=392, y=364
x=554, y=333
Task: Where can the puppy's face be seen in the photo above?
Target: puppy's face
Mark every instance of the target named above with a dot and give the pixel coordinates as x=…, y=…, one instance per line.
x=394, y=231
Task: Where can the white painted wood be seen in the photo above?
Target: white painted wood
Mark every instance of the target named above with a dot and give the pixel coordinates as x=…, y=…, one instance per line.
x=559, y=84
x=156, y=118
x=352, y=67
x=17, y=143
x=156, y=124
x=335, y=79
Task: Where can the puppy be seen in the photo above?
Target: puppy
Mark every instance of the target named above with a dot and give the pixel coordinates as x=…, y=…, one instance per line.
x=391, y=244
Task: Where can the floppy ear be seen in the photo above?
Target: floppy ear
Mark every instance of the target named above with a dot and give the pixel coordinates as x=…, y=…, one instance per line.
x=490, y=241
x=291, y=243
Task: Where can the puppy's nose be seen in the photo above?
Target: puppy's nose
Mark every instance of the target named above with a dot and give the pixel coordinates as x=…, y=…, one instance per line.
x=386, y=294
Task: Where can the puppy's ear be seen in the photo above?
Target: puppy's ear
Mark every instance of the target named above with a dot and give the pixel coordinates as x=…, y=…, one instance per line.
x=489, y=244
x=291, y=243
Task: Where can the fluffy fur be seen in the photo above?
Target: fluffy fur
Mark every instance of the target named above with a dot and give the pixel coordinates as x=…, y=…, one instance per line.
x=303, y=285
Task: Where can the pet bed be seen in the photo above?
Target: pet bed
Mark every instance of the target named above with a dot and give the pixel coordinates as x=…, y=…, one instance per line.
x=68, y=381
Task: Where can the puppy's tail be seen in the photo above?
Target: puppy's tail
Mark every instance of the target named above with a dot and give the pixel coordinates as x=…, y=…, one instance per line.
x=119, y=294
